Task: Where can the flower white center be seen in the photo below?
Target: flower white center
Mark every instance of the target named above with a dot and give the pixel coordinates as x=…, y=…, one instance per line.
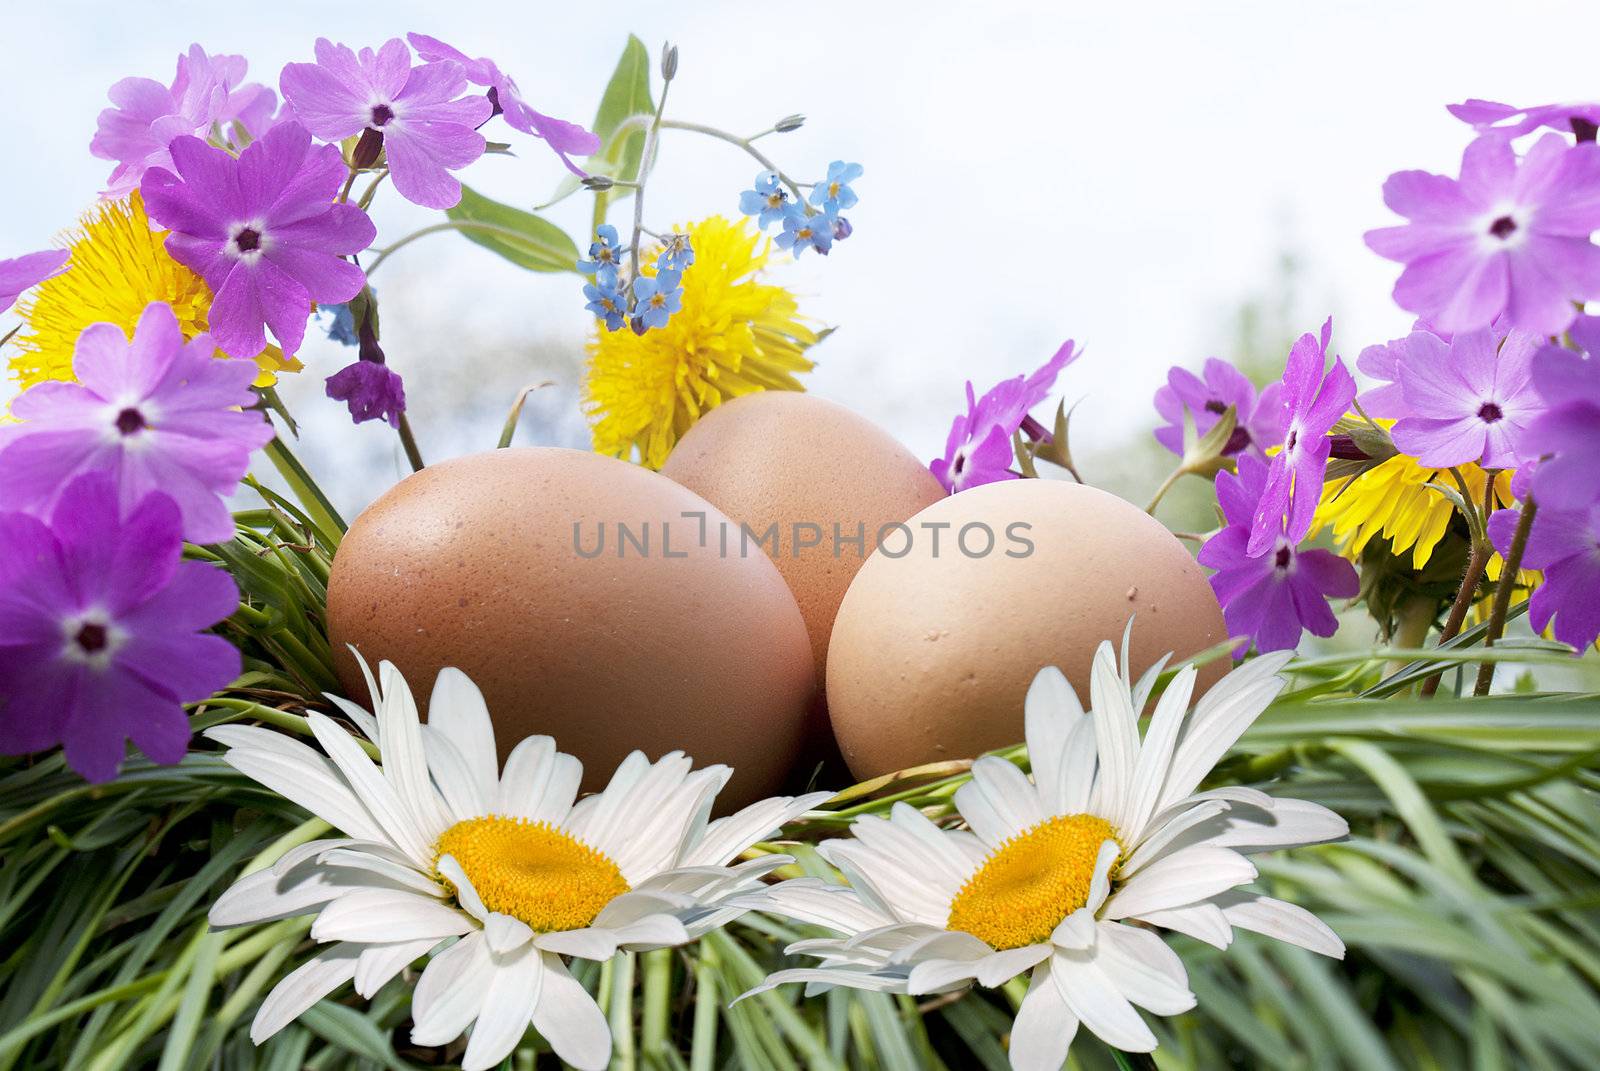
x=247, y=241
x=91, y=639
x=1502, y=228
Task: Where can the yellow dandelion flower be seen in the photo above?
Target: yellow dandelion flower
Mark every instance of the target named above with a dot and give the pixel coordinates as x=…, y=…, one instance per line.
x=118, y=266
x=733, y=335
x=1392, y=500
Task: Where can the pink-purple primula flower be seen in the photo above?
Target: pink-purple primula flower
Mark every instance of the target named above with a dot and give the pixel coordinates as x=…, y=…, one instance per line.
x=371, y=390
x=1259, y=420
x=1312, y=404
x=978, y=450
x=101, y=629
x=1273, y=596
x=565, y=139
x=1508, y=236
x=1567, y=434
x=1504, y=120
x=27, y=271
x=1466, y=402
x=156, y=414
x=263, y=230
x=1565, y=546
x=207, y=91
x=418, y=114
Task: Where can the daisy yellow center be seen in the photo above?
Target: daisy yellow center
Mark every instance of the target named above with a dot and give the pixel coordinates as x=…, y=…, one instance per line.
x=533, y=871
x=1035, y=879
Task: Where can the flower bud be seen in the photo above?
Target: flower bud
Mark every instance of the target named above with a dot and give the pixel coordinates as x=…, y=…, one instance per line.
x=597, y=182
x=367, y=149
x=669, y=62
x=789, y=122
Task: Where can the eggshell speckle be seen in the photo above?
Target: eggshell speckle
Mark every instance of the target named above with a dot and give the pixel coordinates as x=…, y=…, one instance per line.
x=932, y=652
x=475, y=563
x=786, y=458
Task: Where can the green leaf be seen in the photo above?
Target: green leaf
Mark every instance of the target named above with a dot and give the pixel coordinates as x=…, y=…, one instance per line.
x=521, y=237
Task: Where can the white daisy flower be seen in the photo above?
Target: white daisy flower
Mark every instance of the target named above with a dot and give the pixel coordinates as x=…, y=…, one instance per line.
x=1068, y=875
x=441, y=846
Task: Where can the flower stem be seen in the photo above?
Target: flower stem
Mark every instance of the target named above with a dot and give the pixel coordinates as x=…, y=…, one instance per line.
x=707, y=1010
x=622, y=1053
x=743, y=143
x=344, y=194
x=1502, y=593
x=1166, y=485
x=409, y=442
x=646, y=162
x=657, y=1000
x=1477, y=560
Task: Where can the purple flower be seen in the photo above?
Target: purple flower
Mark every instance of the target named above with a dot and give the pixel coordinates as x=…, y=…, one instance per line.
x=1273, y=596
x=978, y=450
x=413, y=111
x=1489, y=117
x=1260, y=420
x=564, y=138
x=264, y=232
x=1568, y=431
x=147, y=116
x=100, y=630
x=158, y=414
x=1312, y=404
x=27, y=271
x=1382, y=363
x=371, y=389
x=1565, y=546
x=1463, y=403
x=1505, y=237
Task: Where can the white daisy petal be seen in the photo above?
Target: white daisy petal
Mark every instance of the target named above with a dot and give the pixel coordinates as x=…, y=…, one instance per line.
x=940, y=944
x=1003, y=966
x=727, y=837
x=1092, y=996
x=374, y=695
x=1283, y=921
x=466, y=893
x=383, y=915
x=514, y=991
x=1044, y=1028
x=851, y=979
x=298, y=774
x=1204, y=922
x=312, y=849
x=506, y=934
x=1078, y=764
x=359, y=715
x=1077, y=932
x=405, y=766
x=267, y=895
x=373, y=790
x=653, y=931
x=539, y=782
x=1147, y=682
x=592, y=942
x=630, y=907
x=1288, y=824
x=1155, y=753
x=1009, y=796
x=570, y=1021
x=1158, y=844
x=595, y=822
x=303, y=987
x=1144, y=969
x=1100, y=879
x=397, y=873
x=455, y=780
x=918, y=895
x=649, y=833
x=816, y=903
x=940, y=975
x=1116, y=734
x=1051, y=712
x=1186, y=877
x=457, y=712
x=450, y=991
x=379, y=963
x=1219, y=719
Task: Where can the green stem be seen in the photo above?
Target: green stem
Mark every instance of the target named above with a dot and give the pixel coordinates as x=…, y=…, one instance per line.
x=1502, y=593
x=645, y=164
x=1166, y=485
x=622, y=1053
x=1477, y=560
x=744, y=143
x=344, y=194
x=657, y=1002
x=707, y=1011
x=315, y=504
x=409, y=442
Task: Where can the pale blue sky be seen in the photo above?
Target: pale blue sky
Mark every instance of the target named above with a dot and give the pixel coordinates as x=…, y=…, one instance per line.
x=1120, y=174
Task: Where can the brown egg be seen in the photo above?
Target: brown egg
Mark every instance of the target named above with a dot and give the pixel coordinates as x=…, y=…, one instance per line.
x=817, y=471
x=511, y=566
x=935, y=644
